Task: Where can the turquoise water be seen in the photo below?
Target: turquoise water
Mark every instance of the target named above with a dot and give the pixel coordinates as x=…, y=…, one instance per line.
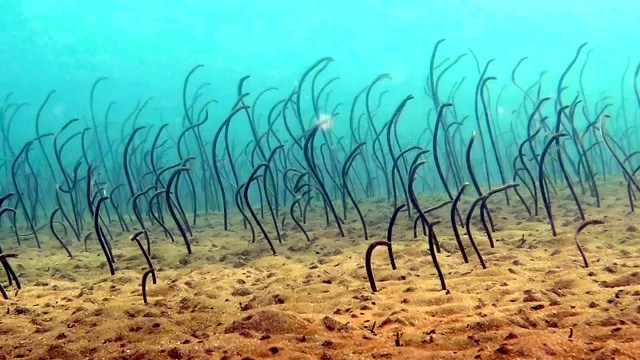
x=146, y=47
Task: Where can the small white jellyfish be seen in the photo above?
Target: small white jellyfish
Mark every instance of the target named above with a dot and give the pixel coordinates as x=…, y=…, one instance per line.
x=324, y=122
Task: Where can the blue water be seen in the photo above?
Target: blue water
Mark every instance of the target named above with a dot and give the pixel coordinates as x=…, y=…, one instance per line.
x=145, y=48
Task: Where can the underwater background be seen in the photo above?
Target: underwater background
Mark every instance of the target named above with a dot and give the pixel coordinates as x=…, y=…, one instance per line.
x=65, y=45
x=210, y=179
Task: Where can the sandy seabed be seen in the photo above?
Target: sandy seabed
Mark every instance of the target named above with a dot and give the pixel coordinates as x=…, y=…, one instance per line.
x=233, y=300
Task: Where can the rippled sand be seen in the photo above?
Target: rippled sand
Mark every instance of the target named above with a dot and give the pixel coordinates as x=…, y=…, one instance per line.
x=230, y=300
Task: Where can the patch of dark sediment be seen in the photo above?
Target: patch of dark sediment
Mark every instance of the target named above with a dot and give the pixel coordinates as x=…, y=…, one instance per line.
x=269, y=321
